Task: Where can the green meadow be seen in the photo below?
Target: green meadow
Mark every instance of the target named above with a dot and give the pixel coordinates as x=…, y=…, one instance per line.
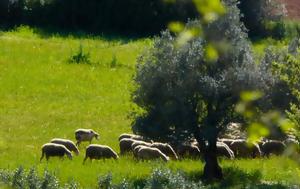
x=42, y=96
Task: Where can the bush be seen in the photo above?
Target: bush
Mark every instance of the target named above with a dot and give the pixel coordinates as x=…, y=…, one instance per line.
x=20, y=178
x=114, y=61
x=105, y=182
x=169, y=180
x=80, y=57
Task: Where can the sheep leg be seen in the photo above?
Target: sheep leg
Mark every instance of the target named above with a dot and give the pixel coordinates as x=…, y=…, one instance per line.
x=78, y=143
x=42, y=156
x=84, y=160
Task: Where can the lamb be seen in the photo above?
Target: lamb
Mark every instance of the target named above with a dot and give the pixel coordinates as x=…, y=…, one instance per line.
x=85, y=135
x=241, y=148
x=189, y=150
x=148, y=153
x=96, y=151
x=273, y=147
x=67, y=143
x=166, y=149
x=51, y=150
x=224, y=150
x=125, y=145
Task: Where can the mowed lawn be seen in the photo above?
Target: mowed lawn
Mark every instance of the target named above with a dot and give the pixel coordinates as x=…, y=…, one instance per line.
x=42, y=96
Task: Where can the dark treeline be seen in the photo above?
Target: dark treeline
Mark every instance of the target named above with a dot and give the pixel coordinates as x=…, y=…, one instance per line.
x=134, y=17
x=142, y=17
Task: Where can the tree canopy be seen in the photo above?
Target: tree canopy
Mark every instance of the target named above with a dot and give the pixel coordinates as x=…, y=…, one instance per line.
x=184, y=94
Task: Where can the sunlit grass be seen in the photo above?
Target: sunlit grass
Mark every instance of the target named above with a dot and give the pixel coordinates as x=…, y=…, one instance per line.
x=42, y=97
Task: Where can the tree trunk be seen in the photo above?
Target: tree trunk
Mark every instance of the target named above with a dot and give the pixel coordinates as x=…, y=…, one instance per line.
x=207, y=140
x=212, y=170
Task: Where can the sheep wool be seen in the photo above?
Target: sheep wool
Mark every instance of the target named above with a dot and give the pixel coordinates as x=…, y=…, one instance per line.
x=52, y=150
x=96, y=151
x=85, y=135
x=67, y=143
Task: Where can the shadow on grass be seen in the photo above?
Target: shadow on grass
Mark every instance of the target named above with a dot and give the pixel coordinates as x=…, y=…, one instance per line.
x=48, y=32
x=237, y=178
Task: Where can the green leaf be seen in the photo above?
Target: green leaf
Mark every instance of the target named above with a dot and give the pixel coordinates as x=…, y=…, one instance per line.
x=187, y=35
x=286, y=124
x=176, y=27
x=211, y=54
x=256, y=131
x=248, y=96
x=210, y=9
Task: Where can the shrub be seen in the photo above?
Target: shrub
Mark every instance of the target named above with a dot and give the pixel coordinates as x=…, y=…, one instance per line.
x=105, y=182
x=80, y=57
x=169, y=180
x=20, y=178
x=114, y=61
x=32, y=179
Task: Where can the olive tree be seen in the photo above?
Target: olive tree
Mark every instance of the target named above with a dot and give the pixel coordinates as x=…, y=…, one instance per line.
x=184, y=94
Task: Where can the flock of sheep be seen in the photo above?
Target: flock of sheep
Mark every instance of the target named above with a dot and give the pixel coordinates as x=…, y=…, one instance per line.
x=144, y=149
x=60, y=147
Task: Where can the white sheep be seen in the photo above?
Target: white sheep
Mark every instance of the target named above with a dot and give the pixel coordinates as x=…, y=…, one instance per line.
x=134, y=137
x=148, y=153
x=97, y=151
x=67, y=143
x=51, y=150
x=166, y=149
x=85, y=135
x=224, y=150
x=125, y=145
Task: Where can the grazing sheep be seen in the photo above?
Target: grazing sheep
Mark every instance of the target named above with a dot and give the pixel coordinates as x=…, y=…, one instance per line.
x=166, y=149
x=133, y=136
x=291, y=141
x=242, y=149
x=125, y=145
x=224, y=150
x=51, y=149
x=136, y=149
x=67, y=143
x=126, y=135
x=148, y=153
x=188, y=150
x=273, y=147
x=85, y=135
x=227, y=141
x=96, y=151
x=137, y=143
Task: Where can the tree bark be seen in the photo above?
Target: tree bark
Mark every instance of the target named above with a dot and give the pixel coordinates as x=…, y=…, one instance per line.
x=207, y=140
x=212, y=169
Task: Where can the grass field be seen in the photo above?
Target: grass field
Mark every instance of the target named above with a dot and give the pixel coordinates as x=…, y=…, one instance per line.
x=42, y=97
